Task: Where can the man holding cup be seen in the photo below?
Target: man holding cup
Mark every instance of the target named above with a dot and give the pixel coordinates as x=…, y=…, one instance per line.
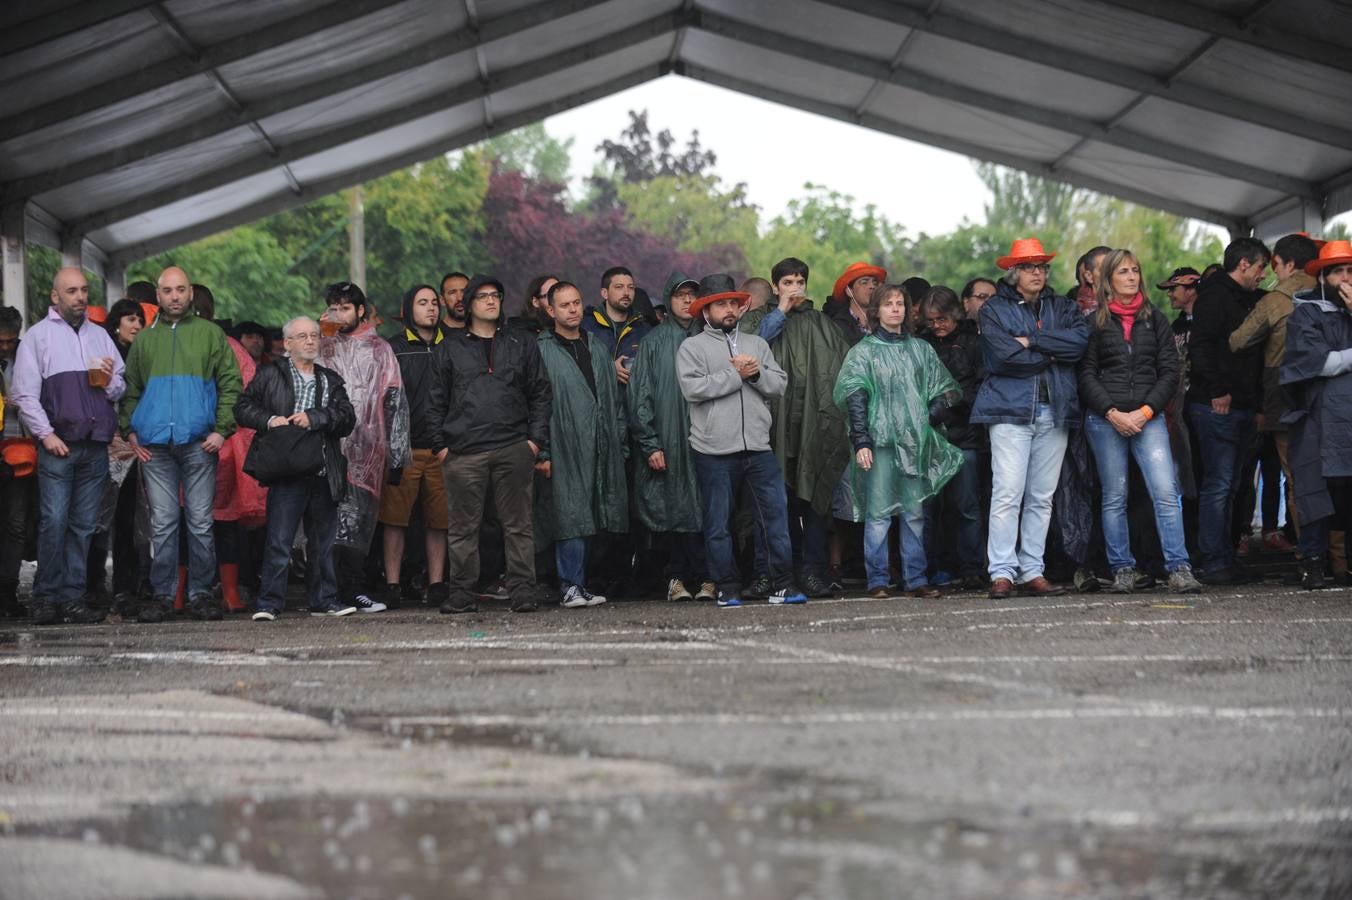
x=67, y=376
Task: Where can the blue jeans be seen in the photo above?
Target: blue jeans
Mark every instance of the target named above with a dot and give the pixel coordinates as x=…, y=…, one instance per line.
x=913, y=562
x=720, y=479
x=289, y=503
x=195, y=469
x=1155, y=459
x=1025, y=467
x=1225, y=442
x=70, y=489
x=960, y=501
x=570, y=559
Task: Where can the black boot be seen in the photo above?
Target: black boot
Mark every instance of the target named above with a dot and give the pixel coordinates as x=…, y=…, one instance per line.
x=9, y=600
x=1312, y=576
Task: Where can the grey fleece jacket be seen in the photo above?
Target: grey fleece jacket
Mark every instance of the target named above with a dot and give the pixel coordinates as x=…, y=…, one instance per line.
x=727, y=414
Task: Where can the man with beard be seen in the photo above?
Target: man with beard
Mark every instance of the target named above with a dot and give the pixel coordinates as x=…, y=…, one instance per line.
x=67, y=377
x=422, y=482
x=583, y=489
x=453, y=299
x=728, y=377
x=182, y=383
x=377, y=450
x=616, y=323
x=491, y=404
x=666, y=487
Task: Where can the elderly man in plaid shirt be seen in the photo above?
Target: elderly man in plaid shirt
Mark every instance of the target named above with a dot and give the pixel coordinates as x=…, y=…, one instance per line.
x=294, y=391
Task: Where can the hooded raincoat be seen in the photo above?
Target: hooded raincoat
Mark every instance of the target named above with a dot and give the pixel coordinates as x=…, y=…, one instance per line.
x=586, y=491
x=238, y=497
x=380, y=442
x=659, y=419
x=911, y=460
x=1320, y=414
x=809, y=434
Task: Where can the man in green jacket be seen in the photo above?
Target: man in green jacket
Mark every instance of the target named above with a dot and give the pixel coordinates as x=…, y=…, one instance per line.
x=666, y=487
x=809, y=434
x=582, y=487
x=182, y=383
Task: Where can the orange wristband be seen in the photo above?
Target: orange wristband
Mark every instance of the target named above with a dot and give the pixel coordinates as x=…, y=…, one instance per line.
x=1149, y=413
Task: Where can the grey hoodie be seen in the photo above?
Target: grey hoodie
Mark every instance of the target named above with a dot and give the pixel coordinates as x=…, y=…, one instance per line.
x=727, y=414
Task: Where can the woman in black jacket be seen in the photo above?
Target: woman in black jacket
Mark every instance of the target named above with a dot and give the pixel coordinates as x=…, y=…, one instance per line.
x=1127, y=375
x=958, y=345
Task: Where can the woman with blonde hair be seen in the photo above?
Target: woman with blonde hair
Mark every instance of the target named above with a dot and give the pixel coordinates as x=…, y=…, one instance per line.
x=1127, y=375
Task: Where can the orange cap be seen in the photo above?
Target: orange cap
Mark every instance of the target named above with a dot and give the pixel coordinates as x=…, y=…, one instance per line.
x=21, y=455
x=853, y=272
x=96, y=314
x=151, y=311
x=1025, y=250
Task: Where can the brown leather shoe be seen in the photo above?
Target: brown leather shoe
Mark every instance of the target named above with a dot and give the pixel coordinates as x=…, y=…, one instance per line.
x=1040, y=587
x=926, y=592
x=881, y=593
x=1001, y=588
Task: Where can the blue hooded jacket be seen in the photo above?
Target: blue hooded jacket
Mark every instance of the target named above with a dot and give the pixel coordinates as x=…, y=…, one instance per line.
x=1057, y=337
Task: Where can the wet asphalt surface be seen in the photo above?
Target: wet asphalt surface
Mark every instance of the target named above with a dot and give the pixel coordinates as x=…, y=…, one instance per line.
x=1087, y=745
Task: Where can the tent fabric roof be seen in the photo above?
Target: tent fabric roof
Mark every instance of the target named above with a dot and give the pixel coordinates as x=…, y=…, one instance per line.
x=130, y=127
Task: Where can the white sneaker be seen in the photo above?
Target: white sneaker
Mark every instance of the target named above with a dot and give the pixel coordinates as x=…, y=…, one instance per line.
x=676, y=590
x=573, y=598
x=707, y=591
x=365, y=604
x=264, y=616
x=593, y=599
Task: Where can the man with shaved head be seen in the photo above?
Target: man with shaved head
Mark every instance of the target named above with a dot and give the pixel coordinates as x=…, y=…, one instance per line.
x=67, y=376
x=182, y=383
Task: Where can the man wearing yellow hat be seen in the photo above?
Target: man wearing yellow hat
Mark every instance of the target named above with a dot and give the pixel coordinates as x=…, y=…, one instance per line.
x=1317, y=371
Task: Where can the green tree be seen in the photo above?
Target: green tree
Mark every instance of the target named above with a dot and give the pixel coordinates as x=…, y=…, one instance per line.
x=532, y=151
x=826, y=230
x=694, y=211
x=246, y=271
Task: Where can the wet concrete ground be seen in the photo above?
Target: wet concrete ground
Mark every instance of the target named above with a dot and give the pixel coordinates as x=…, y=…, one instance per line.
x=1078, y=746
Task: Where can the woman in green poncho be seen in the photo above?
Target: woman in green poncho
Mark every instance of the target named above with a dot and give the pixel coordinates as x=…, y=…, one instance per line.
x=891, y=386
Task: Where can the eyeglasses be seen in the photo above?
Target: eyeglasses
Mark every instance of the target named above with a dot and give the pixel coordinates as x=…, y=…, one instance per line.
x=1033, y=267
x=491, y=295
x=688, y=294
x=938, y=320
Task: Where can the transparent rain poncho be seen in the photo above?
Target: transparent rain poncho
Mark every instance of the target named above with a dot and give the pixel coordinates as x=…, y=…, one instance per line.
x=912, y=460
x=380, y=441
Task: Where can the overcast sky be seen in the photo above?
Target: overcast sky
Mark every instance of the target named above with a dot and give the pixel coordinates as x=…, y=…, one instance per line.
x=920, y=187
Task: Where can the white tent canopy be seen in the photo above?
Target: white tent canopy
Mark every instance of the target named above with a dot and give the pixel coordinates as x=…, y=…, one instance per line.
x=130, y=127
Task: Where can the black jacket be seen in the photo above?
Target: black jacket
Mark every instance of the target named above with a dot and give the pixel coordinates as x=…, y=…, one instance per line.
x=271, y=393
x=417, y=367
x=488, y=393
x=1213, y=371
x=1116, y=375
x=838, y=311
x=960, y=353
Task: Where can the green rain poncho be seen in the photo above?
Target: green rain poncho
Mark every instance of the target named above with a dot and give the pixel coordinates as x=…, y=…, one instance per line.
x=659, y=419
x=911, y=460
x=586, y=492
x=810, y=436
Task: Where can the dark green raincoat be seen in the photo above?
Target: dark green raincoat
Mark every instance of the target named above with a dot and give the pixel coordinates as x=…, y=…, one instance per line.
x=810, y=435
x=587, y=491
x=659, y=419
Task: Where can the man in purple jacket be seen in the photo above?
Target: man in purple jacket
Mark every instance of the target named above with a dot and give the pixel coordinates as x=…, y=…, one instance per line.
x=67, y=377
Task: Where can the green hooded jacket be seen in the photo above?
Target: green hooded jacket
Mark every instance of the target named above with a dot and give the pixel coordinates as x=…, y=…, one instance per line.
x=586, y=492
x=659, y=419
x=810, y=435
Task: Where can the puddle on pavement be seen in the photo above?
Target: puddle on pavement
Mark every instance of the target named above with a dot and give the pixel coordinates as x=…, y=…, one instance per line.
x=735, y=845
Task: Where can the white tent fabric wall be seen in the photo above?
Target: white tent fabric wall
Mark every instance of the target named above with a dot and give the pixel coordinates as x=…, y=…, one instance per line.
x=131, y=127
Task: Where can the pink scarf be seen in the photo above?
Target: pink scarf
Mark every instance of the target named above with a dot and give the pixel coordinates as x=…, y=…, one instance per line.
x=1127, y=313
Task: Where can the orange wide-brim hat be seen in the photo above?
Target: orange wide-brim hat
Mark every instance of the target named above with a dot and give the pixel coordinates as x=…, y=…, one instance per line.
x=150, y=311
x=1025, y=250
x=742, y=297
x=853, y=272
x=97, y=314
x=1333, y=253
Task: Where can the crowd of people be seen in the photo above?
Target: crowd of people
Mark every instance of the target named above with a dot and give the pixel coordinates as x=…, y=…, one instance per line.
x=730, y=442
